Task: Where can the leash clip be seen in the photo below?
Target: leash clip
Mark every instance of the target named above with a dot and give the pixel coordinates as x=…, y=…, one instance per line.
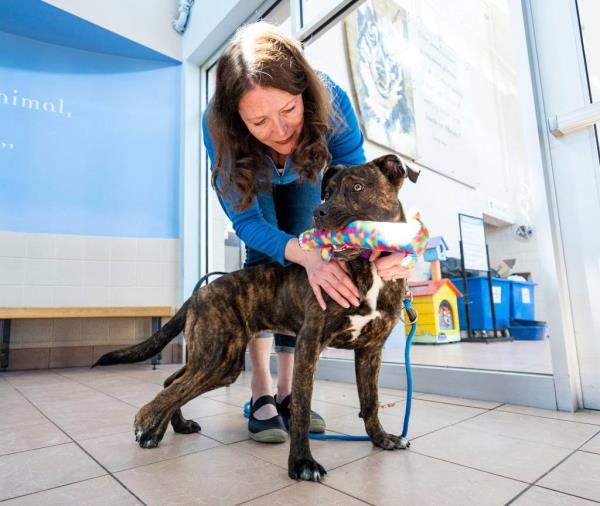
x=413, y=316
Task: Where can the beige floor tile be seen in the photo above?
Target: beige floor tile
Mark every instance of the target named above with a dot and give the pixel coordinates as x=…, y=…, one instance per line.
x=425, y=417
x=98, y=420
x=578, y=475
x=136, y=394
x=404, y=477
x=101, y=491
x=502, y=455
x=19, y=413
x=234, y=395
x=120, y=451
x=305, y=494
x=227, y=428
x=337, y=394
x=62, y=392
x=473, y=403
x=203, y=406
x=20, y=379
x=532, y=428
x=212, y=477
x=330, y=454
x=29, y=437
x=583, y=416
x=396, y=392
x=346, y=394
x=106, y=382
x=537, y=496
x=593, y=445
x=36, y=470
x=146, y=373
x=328, y=410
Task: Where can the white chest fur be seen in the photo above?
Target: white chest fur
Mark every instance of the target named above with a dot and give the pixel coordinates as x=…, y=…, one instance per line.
x=357, y=322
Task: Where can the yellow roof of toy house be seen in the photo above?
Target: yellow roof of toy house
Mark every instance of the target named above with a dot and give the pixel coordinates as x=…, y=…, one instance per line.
x=428, y=288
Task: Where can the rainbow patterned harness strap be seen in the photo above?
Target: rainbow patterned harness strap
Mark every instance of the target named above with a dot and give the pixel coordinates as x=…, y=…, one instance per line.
x=409, y=238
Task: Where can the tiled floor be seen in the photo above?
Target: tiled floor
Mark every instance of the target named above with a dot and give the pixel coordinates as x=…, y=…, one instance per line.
x=66, y=439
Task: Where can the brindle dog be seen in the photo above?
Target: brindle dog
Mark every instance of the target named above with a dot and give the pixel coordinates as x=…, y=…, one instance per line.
x=220, y=319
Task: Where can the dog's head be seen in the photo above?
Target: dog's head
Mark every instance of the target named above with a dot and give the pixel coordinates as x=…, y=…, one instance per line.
x=365, y=192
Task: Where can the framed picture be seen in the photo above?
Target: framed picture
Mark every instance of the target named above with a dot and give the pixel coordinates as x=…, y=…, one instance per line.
x=377, y=40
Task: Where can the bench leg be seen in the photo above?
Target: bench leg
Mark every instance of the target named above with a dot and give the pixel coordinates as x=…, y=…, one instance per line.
x=5, y=344
x=156, y=320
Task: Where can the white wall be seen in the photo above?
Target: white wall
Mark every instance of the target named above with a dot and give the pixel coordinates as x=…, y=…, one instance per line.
x=147, y=22
x=51, y=270
x=209, y=28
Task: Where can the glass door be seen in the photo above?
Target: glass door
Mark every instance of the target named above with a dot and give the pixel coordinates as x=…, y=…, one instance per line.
x=567, y=64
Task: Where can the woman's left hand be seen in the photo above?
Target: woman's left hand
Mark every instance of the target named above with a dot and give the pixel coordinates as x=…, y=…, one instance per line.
x=389, y=267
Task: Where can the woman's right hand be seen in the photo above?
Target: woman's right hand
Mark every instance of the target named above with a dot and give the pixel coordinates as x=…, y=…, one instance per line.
x=332, y=277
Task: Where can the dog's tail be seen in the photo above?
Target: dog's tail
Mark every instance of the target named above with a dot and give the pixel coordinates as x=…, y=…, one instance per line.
x=150, y=346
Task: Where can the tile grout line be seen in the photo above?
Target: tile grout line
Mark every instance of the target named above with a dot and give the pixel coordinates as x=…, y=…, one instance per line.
x=473, y=468
x=265, y=495
x=81, y=448
x=331, y=487
x=548, y=417
x=565, y=493
x=534, y=483
x=51, y=488
x=101, y=392
x=484, y=411
x=36, y=448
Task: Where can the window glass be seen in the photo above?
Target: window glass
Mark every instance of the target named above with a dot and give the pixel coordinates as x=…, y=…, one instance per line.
x=436, y=82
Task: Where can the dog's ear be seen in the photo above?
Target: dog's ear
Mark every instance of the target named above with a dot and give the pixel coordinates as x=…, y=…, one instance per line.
x=412, y=173
x=395, y=169
x=327, y=175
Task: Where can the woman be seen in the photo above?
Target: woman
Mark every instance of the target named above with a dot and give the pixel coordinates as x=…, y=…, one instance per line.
x=271, y=128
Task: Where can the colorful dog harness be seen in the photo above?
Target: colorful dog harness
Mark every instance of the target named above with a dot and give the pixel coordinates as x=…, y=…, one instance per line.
x=409, y=238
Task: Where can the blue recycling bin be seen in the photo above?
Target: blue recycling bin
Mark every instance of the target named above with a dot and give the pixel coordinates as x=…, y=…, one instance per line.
x=479, y=299
x=522, y=300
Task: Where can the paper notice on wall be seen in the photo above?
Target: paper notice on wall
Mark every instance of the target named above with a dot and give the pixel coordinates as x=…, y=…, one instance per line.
x=472, y=236
x=497, y=294
x=525, y=296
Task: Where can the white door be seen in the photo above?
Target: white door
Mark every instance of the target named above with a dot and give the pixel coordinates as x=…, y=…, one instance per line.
x=565, y=49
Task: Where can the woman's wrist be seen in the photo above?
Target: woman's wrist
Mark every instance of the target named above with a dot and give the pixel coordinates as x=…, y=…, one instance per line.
x=294, y=253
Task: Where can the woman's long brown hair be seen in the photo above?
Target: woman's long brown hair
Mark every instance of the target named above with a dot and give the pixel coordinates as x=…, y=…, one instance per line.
x=261, y=54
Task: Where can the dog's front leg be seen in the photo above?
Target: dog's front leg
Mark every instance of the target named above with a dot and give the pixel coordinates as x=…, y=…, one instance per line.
x=367, y=362
x=301, y=464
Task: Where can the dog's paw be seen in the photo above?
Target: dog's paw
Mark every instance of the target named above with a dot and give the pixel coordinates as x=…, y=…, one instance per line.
x=147, y=439
x=390, y=442
x=186, y=427
x=306, y=469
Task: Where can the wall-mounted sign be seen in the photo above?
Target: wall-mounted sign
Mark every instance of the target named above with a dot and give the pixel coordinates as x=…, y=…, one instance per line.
x=472, y=235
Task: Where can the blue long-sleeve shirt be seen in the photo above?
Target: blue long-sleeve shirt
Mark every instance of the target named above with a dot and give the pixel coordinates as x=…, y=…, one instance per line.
x=346, y=147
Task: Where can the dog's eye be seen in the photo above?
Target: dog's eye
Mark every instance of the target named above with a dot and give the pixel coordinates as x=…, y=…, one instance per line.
x=358, y=187
x=326, y=196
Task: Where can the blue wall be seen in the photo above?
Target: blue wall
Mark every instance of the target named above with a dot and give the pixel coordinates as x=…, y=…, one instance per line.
x=94, y=148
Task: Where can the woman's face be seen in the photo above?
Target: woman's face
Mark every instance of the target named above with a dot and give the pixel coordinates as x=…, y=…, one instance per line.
x=275, y=117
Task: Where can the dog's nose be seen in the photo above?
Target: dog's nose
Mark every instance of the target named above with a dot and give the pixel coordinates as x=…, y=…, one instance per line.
x=319, y=212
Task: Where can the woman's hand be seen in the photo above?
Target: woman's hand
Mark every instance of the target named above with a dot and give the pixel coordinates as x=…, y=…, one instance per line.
x=389, y=267
x=332, y=277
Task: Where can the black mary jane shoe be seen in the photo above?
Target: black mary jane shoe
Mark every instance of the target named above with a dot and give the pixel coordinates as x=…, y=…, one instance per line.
x=317, y=424
x=271, y=430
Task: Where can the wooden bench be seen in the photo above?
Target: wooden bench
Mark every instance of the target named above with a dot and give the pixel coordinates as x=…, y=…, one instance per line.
x=16, y=313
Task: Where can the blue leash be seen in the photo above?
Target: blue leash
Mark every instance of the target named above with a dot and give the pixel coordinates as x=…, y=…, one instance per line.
x=406, y=443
